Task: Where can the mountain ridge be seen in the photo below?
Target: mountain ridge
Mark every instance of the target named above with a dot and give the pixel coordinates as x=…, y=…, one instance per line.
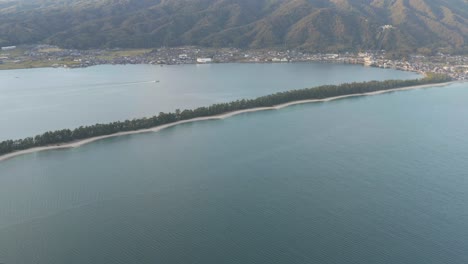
x=313, y=25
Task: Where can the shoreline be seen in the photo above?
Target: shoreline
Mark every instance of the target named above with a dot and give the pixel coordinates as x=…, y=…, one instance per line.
x=71, y=67
x=82, y=142
x=422, y=73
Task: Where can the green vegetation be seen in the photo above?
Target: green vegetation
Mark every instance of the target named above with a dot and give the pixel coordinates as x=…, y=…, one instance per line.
x=321, y=92
x=312, y=25
x=36, y=64
x=17, y=60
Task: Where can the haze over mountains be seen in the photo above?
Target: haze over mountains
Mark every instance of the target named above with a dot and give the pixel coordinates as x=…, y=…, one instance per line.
x=313, y=25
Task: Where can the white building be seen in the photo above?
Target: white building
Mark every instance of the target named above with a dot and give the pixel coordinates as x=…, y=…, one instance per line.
x=368, y=61
x=362, y=54
x=204, y=60
x=387, y=27
x=9, y=48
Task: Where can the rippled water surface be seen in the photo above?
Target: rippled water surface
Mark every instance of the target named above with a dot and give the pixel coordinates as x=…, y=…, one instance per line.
x=378, y=179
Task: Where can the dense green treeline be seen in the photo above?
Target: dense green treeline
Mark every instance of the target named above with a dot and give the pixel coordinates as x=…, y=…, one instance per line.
x=321, y=92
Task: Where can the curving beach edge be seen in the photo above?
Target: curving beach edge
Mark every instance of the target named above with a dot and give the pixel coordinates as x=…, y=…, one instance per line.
x=79, y=143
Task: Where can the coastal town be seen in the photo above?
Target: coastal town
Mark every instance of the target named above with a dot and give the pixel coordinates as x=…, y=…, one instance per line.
x=34, y=56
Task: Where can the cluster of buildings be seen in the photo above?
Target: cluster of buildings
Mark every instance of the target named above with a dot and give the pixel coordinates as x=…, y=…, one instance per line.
x=455, y=66
x=452, y=65
x=4, y=49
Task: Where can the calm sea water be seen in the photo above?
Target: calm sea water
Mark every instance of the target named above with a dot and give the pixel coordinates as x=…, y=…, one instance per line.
x=379, y=179
x=33, y=101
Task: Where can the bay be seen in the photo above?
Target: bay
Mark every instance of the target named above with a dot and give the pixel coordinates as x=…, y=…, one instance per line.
x=377, y=179
x=33, y=101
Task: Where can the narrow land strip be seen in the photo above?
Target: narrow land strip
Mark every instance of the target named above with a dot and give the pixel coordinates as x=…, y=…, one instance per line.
x=79, y=143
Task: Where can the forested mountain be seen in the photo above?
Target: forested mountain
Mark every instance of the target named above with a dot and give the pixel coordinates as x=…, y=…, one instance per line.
x=313, y=25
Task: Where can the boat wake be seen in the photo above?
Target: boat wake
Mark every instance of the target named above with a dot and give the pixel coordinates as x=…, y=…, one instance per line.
x=122, y=83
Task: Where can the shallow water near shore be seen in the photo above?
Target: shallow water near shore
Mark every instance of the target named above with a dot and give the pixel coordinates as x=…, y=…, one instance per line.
x=33, y=101
x=379, y=179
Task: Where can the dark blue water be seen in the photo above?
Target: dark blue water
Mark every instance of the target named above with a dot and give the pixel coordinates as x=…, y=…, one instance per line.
x=380, y=179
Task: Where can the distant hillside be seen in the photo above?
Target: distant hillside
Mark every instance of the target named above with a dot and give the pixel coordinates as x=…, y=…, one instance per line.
x=313, y=25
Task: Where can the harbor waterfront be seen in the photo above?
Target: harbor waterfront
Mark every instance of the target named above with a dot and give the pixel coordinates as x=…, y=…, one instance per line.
x=52, y=56
x=291, y=186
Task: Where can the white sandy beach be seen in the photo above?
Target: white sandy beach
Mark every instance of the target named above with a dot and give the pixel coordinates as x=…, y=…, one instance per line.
x=79, y=143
